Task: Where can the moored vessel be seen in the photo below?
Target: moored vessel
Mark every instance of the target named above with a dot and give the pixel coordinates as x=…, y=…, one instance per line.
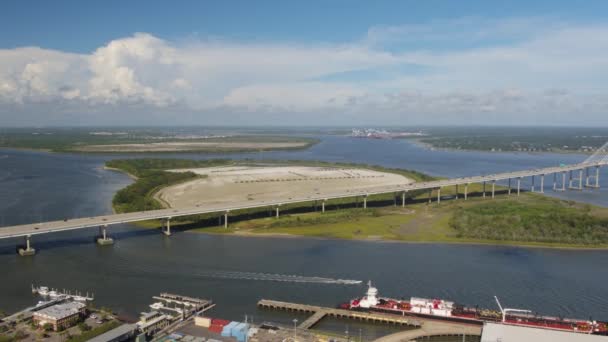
x=440, y=309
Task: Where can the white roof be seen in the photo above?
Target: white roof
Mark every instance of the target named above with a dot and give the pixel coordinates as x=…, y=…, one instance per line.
x=60, y=311
x=494, y=332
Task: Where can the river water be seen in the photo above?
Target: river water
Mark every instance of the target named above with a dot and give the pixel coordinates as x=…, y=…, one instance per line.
x=236, y=272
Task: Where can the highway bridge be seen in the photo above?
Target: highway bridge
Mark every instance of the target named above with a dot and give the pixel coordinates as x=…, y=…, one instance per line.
x=575, y=176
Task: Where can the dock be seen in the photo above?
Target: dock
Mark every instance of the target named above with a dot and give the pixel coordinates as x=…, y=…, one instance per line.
x=318, y=313
x=423, y=327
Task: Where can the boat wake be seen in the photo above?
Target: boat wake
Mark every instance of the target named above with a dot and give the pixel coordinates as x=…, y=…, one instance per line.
x=274, y=277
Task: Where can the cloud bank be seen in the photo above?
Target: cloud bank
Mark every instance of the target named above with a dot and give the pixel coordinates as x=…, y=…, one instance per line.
x=465, y=71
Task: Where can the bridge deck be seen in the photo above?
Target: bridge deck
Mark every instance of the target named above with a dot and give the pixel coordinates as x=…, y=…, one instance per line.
x=96, y=221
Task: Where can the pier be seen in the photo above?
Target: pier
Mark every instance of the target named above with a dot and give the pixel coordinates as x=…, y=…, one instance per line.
x=318, y=313
x=422, y=327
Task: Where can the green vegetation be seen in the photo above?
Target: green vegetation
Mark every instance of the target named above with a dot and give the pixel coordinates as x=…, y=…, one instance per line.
x=540, y=221
x=536, y=139
x=151, y=176
x=87, y=335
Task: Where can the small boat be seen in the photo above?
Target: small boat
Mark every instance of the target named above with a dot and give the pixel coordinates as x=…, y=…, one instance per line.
x=43, y=291
x=53, y=294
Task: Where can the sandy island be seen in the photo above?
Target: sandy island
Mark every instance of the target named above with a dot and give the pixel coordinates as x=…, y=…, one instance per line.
x=248, y=185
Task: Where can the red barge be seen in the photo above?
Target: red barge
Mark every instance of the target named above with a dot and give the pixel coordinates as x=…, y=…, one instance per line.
x=440, y=309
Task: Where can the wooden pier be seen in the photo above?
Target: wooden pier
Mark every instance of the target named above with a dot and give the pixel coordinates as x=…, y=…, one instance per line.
x=318, y=313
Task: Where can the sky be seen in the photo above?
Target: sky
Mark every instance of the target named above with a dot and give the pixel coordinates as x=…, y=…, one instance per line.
x=311, y=63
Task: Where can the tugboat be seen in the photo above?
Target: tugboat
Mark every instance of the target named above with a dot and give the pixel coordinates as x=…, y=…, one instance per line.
x=440, y=309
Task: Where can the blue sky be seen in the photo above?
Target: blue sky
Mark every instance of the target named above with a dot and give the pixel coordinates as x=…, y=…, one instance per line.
x=342, y=62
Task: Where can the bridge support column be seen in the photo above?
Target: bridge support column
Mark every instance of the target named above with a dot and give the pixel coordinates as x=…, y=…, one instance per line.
x=103, y=238
x=533, y=183
x=484, y=189
x=564, y=181
x=466, y=191
x=323, y=206
x=365, y=202
x=509, y=188
x=542, y=184
x=166, y=226
x=226, y=220
x=403, y=199
x=456, y=196
x=570, y=180
x=580, y=179
x=430, y=194
x=28, y=250
x=597, y=176
x=554, y=181
x=277, y=212
x=518, y=186
x=438, y=195
x=493, y=188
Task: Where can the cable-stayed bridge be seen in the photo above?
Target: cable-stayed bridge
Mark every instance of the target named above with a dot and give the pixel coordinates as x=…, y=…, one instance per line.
x=564, y=177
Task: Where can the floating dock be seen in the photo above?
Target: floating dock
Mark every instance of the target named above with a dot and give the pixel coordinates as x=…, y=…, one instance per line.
x=318, y=313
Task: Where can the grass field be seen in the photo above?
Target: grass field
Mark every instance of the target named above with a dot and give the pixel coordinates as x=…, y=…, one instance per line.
x=422, y=222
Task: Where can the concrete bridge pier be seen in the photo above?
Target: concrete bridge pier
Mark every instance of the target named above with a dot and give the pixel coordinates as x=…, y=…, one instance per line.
x=323, y=206
x=28, y=250
x=542, y=184
x=564, y=181
x=466, y=191
x=570, y=180
x=456, y=196
x=277, y=211
x=518, y=186
x=484, y=189
x=365, y=202
x=596, y=178
x=554, y=181
x=403, y=199
x=103, y=238
x=438, y=195
x=166, y=226
x=533, y=184
x=509, y=188
x=226, y=219
x=493, y=188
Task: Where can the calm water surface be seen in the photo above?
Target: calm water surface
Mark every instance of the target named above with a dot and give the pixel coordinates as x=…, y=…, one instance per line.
x=231, y=270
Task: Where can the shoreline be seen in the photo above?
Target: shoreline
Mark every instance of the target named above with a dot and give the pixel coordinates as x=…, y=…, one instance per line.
x=431, y=147
x=79, y=150
x=381, y=240
x=133, y=177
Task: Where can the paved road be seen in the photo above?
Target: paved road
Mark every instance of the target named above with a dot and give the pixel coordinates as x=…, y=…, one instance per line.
x=220, y=208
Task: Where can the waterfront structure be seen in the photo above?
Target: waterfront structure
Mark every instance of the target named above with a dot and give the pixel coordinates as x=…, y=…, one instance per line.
x=125, y=332
x=60, y=316
x=585, y=179
x=151, y=322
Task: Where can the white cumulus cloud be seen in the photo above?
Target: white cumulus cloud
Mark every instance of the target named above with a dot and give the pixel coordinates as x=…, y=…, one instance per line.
x=473, y=68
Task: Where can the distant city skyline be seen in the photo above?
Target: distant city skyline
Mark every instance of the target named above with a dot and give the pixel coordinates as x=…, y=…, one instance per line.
x=316, y=63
